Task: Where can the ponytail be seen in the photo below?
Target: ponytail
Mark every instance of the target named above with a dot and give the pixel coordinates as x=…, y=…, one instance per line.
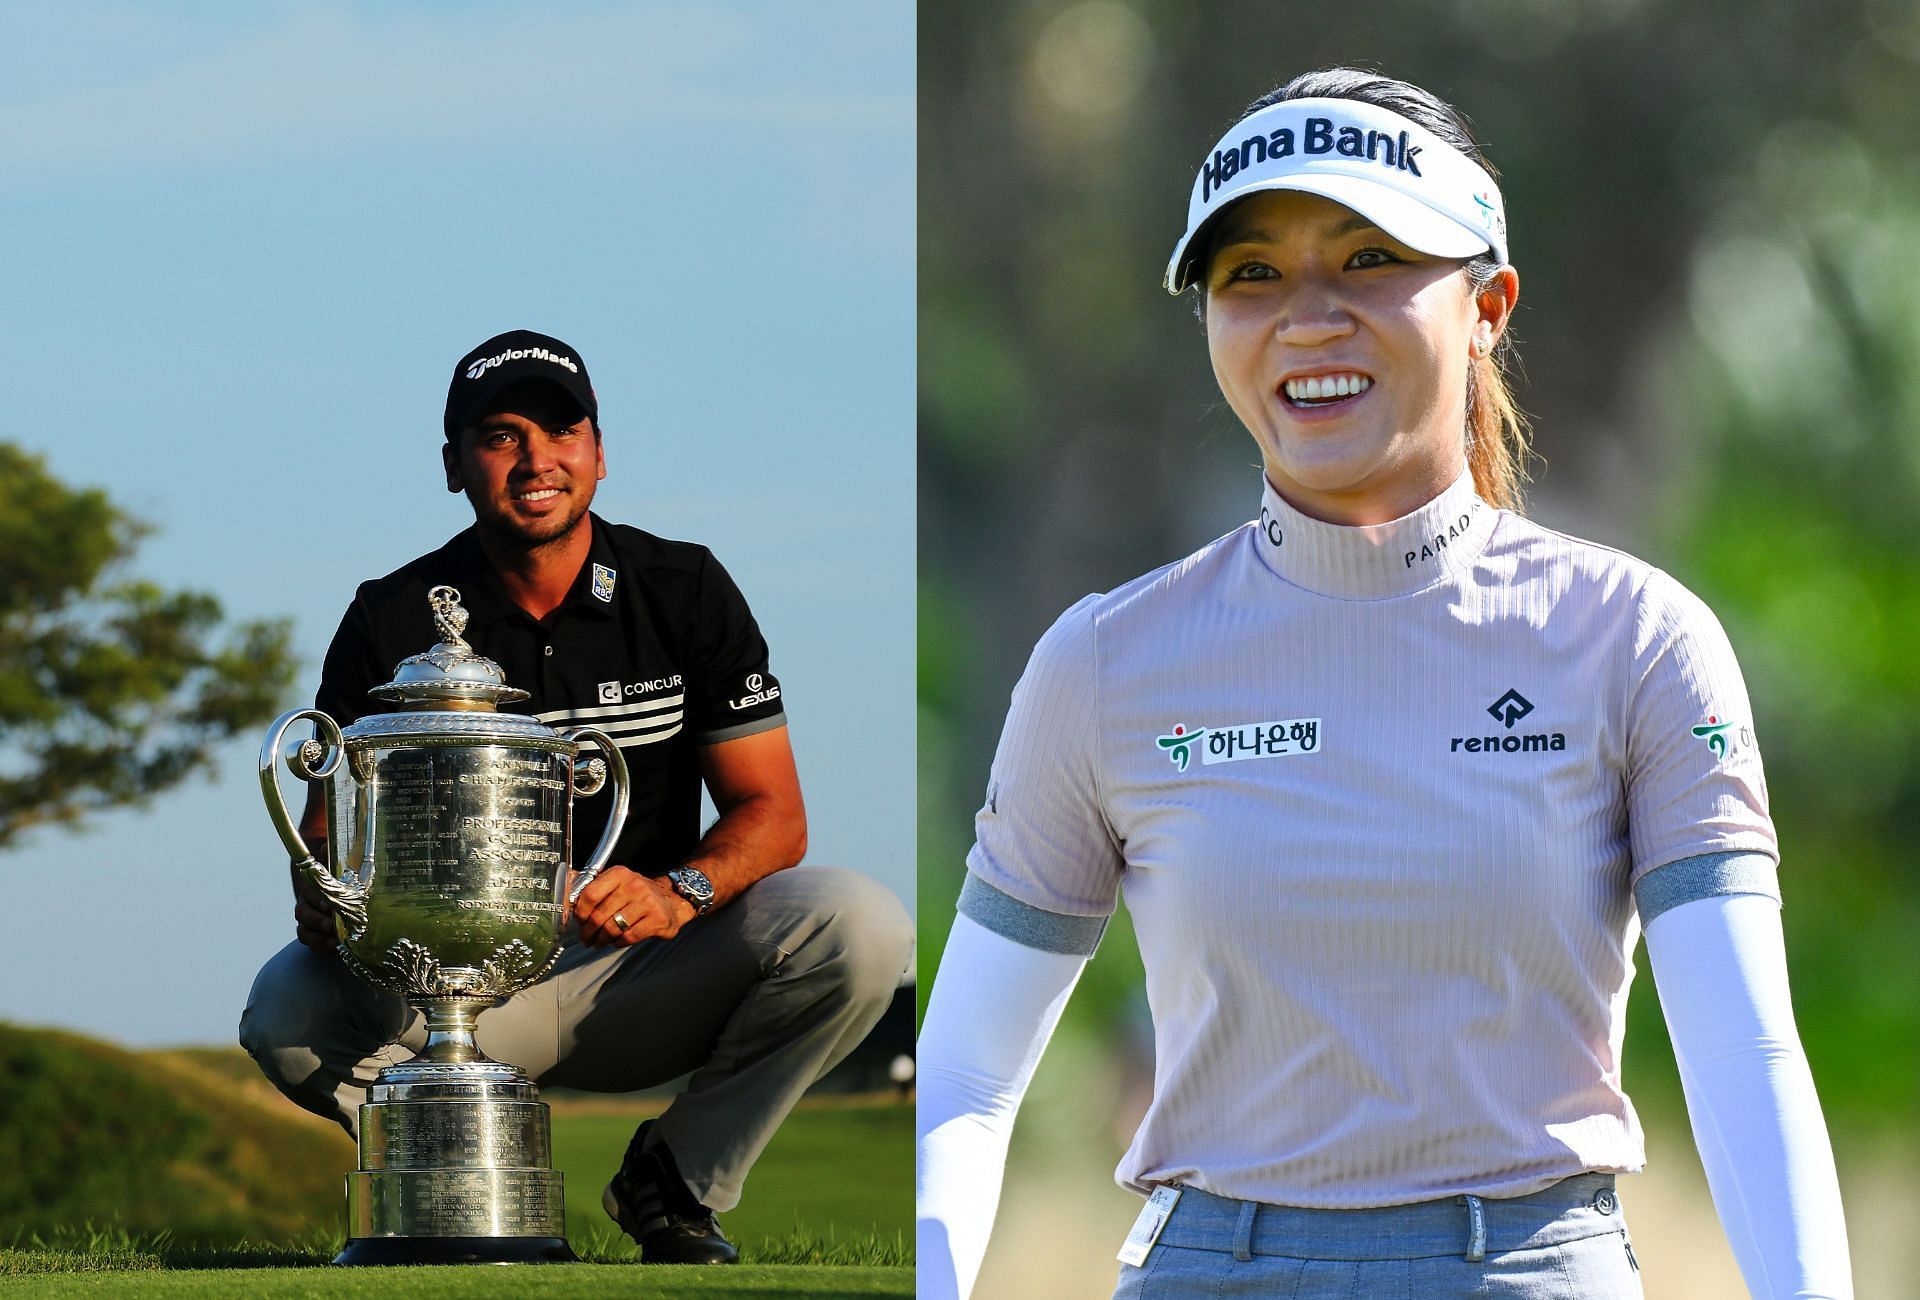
x=1497, y=429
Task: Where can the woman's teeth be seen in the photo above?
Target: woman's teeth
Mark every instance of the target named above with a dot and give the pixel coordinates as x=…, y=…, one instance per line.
x=1326, y=388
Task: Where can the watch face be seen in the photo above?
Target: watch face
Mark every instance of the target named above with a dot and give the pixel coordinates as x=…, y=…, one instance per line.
x=693, y=886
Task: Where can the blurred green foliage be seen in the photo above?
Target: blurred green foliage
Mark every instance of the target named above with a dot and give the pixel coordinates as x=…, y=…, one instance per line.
x=112, y=689
x=91, y=1133
x=1718, y=234
x=1798, y=519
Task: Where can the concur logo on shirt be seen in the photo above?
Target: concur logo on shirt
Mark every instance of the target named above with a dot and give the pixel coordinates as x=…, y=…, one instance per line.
x=1243, y=741
x=615, y=692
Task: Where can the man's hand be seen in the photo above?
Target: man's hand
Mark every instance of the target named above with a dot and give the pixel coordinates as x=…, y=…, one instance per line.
x=313, y=910
x=650, y=908
x=313, y=916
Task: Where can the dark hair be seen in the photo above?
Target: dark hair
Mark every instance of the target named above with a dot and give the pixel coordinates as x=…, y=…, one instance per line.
x=1496, y=429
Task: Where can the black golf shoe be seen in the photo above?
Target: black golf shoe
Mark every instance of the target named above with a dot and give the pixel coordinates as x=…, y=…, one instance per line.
x=653, y=1206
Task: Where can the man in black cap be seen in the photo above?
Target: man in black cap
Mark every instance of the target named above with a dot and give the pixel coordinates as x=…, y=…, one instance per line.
x=698, y=953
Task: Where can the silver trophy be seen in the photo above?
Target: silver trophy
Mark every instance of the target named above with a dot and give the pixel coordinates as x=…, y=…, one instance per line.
x=449, y=828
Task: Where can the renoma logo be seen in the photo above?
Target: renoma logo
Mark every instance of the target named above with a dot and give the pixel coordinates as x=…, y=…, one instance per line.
x=1510, y=708
x=1507, y=710
x=1235, y=744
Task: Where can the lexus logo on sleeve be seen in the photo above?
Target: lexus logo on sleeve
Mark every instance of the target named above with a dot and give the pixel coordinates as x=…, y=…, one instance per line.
x=758, y=692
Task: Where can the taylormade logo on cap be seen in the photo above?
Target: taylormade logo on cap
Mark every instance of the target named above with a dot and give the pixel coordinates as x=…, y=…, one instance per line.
x=1400, y=176
x=510, y=358
x=481, y=367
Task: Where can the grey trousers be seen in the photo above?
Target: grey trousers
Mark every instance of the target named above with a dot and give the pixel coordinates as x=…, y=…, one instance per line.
x=757, y=999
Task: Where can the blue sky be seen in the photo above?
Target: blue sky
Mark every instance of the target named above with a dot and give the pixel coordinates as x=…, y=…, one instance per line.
x=245, y=245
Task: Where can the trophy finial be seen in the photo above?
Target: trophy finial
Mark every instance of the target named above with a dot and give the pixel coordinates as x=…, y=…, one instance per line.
x=449, y=616
x=450, y=674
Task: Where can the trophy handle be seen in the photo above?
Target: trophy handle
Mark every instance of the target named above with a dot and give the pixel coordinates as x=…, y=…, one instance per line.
x=314, y=760
x=611, y=763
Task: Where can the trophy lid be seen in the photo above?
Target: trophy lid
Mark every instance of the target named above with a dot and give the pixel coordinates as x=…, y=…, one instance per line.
x=452, y=675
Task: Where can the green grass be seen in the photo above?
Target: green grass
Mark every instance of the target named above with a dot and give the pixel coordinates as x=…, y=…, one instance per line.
x=90, y=1249
x=112, y=1262
x=835, y=1185
x=671, y=1283
x=826, y=1212
x=208, y=1183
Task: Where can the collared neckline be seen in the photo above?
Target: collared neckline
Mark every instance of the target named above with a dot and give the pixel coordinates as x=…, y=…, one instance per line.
x=487, y=600
x=580, y=597
x=1374, y=561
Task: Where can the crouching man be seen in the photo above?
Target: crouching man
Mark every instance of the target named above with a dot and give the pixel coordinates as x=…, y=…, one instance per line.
x=698, y=954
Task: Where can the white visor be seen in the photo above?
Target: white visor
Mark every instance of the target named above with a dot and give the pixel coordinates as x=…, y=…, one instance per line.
x=1392, y=171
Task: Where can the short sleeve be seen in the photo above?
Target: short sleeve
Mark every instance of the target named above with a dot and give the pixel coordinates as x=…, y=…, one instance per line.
x=1694, y=778
x=351, y=669
x=1042, y=837
x=731, y=691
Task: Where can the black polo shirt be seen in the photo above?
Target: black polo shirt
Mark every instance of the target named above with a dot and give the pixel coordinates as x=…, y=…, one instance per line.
x=653, y=645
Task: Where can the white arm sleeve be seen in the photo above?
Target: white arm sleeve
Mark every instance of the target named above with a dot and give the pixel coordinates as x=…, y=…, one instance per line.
x=1721, y=969
x=994, y=1006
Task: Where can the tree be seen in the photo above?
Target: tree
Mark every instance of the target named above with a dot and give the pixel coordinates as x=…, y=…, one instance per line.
x=112, y=689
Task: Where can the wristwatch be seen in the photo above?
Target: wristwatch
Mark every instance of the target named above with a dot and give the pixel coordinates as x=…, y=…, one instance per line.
x=692, y=884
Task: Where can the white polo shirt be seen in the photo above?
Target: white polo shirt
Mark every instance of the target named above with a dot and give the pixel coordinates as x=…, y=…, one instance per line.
x=1377, y=798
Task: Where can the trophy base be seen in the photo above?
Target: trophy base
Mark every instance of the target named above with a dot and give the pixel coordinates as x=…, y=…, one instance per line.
x=373, y=1251
x=456, y=1166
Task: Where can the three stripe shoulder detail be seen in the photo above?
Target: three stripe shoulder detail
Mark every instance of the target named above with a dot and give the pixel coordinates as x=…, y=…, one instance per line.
x=641, y=722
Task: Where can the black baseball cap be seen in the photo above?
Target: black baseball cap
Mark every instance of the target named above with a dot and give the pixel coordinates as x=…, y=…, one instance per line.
x=507, y=359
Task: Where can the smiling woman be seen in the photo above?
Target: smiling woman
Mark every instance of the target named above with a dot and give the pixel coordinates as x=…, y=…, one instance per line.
x=1387, y=975
x=1445, y=225
x=1344, y=352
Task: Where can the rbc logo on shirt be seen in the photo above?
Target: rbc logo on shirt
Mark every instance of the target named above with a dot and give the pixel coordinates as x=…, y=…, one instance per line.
x=609, y=692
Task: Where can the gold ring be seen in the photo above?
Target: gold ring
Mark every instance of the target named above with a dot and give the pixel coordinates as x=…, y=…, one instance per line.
x=620, y=922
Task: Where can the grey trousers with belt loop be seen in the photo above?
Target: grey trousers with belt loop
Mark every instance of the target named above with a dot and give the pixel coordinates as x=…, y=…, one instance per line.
x=756, y=1000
